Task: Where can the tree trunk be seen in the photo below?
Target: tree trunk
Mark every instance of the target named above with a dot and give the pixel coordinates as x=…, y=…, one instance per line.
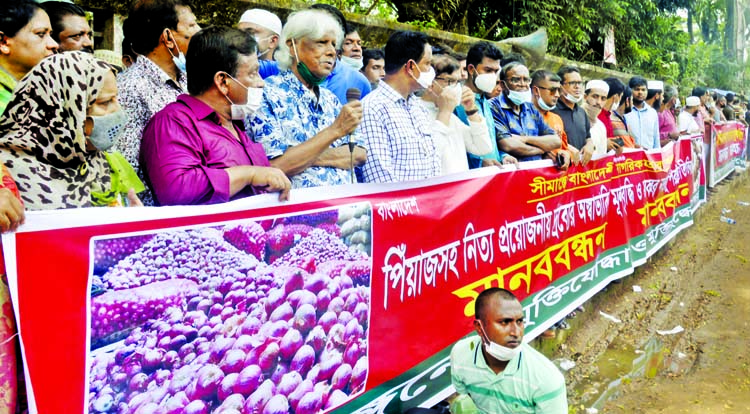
x=730, y=35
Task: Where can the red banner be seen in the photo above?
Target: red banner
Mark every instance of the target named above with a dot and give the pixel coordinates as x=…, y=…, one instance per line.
x=319, y=304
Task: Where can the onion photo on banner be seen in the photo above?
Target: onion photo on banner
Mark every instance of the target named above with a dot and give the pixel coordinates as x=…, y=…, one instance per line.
x=266, y=315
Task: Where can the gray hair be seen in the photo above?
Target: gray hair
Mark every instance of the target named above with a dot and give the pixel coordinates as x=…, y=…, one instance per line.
x=669, y=93
x=311, y=24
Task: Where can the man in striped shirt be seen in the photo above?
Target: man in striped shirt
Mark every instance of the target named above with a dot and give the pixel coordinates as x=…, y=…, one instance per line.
x=497, y=370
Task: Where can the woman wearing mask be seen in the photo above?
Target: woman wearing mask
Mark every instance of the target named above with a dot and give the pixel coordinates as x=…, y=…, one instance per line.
x=452, y=137
x=24, y=41
x=55, y=132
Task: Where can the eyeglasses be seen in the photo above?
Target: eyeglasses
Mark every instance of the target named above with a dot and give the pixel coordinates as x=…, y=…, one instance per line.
x=552, y=90
x=574, y=83
x=519, y=81
x=449, y=82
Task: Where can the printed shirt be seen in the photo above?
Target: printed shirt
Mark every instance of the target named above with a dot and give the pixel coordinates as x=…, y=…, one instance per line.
x=527, y=122
x=530, y=383
x=186, y=150
x=397, y=134
x=290, y=115
x=7, y=84
x=143, y=90
x=667, y=124
x=343, y=78
x=577, y=125
x=644, y=125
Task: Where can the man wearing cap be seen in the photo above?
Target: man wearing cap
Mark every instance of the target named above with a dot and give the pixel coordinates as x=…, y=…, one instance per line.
x=265, y=28
x=594, y=97
x=686, y=121
x=643, y=120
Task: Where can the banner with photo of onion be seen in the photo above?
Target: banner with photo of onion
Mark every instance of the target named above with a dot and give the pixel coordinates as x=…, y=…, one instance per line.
x=253, y=316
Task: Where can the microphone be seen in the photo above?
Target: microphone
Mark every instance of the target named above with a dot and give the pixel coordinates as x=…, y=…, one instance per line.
x=352, y=94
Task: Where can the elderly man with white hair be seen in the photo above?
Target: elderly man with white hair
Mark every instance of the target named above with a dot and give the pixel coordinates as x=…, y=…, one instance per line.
x=594, y=97
x=302, y=126
x=686, y=121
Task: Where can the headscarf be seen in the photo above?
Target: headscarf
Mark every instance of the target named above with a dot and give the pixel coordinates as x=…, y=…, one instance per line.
x=42, y=140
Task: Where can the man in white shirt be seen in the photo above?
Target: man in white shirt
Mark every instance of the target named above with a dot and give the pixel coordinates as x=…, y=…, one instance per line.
x=594, y=97
x=686, y=121
x=643, y=120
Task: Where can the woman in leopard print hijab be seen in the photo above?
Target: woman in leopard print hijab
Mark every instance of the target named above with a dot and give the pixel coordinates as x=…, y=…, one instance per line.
x=43, y=138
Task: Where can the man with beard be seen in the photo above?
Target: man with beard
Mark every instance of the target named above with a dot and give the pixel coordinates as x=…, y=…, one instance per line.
x=687, y=120
x=668, y=130
x=497, y=370
x=643, y=121
x=69, y=26
x=483, y=66
x=594, y=98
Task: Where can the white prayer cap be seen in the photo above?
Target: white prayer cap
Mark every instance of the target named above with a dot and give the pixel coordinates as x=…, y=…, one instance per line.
x=597, y=84
x=656, y=85
x=692, y=101
x=262, y=18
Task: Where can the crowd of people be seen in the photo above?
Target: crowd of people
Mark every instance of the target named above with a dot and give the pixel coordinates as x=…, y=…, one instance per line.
x=190, y=115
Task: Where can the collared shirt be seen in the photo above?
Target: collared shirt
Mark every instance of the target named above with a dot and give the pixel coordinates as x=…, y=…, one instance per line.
x=688, y=123
x=397, y=134
x=484, y=105
x=343, y=78
x=530, y=383
x=528, y=121
x=644, y=125
x=7, y=84
x=290, y=115
x=268, y=68
x=667, y=124
x=606, y=117
x=143, y=90
x=186, y=151
x=577, y=124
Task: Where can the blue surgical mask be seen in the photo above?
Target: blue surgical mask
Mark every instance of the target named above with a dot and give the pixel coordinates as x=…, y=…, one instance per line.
x=178, y=60
x=519, y=98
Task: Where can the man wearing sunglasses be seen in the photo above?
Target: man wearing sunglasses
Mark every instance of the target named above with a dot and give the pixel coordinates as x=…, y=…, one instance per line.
x=545, y=88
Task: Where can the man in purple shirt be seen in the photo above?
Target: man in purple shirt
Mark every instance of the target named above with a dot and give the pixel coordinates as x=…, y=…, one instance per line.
x=195, y=150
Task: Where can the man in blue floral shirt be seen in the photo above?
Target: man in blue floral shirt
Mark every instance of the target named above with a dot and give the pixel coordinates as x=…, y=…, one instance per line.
x=519, y=127
x=302, y=126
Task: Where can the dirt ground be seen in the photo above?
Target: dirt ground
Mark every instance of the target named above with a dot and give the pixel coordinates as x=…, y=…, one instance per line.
x=701, y=282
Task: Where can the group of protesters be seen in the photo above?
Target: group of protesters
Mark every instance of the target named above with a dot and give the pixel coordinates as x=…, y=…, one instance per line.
x=190, y=115
x=270, y=107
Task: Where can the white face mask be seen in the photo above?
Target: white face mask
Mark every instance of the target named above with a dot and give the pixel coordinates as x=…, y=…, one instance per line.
x=544, y=105
x=614, y=106
x=486, y=82
x=499, y=352
x=107, y=129
x=458, y=90
x=353, y=63
x=425, y=78
x=257, y=42
x=519, y=97
x=254, y=100
x=573, y=99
